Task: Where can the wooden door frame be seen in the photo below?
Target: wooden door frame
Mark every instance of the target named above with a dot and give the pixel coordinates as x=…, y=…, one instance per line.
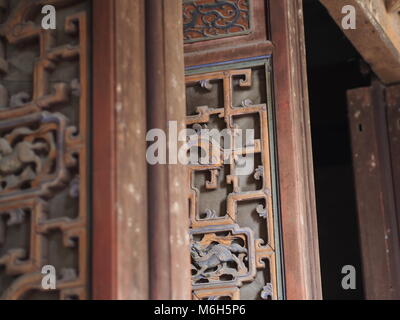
x=103, y=124
x=129, y=262
x=295, y=161
x=110, y=238
x=120, y=263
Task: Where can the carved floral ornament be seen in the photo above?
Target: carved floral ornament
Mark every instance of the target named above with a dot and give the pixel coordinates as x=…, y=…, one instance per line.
x=43, y=150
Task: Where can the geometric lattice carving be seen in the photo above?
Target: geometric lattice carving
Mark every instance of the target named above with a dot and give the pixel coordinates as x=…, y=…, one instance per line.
x=211, y=19
x=43, y=146
x=231, y=214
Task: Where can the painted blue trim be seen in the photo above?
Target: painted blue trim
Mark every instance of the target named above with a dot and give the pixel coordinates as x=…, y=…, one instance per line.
x=226, y=62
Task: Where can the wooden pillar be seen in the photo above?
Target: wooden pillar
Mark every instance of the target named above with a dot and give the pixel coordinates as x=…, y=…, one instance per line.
x=296, y=178
x=103, y=217
x=130, y=108
x=120, y=232
x=140, y=216
x=168, y=206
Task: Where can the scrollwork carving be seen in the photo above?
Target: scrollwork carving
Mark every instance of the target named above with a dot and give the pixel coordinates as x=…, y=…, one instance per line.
x=210, y=19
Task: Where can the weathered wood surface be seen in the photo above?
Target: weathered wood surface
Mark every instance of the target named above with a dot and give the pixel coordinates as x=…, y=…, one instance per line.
x=168, y=206
x=296, y=177
x=120, y=236
x=104, y=221
x=375, y=194
x=377, y=33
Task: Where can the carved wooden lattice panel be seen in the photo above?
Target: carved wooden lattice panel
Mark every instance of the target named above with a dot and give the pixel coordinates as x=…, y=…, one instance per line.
x=43, y=149
x=233, y=214
x=211, y=19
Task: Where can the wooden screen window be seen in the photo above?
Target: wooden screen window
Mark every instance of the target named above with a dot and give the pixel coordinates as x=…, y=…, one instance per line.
x=43, y=149
x=235, y=247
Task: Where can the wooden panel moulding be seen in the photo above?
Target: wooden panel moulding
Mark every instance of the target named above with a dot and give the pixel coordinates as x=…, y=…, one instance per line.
x=296, y=178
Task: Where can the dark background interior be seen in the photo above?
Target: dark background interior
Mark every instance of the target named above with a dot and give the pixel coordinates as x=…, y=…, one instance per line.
x=333, y=68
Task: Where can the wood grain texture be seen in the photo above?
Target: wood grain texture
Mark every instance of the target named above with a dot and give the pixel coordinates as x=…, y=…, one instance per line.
x=131, y=164
x=168, y=207
x=104, y=215
x=120, y=240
